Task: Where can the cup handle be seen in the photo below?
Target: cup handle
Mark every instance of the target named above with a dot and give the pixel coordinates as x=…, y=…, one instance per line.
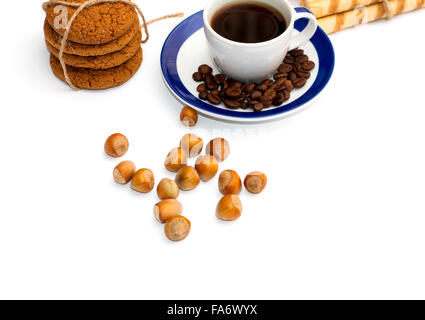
x=308, y=32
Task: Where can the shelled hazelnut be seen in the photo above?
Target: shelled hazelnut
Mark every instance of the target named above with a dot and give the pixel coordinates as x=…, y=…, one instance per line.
x=189, y=116
x=176, y=159
x=229, y=182
x=167, y=209
x=177, y=228
x=187, y=178
x=143, y=181
x=124, y=171
x=167, y=189
x=116, y=145
x=255, y=182
x=219, y=148
x=191, y=144
x=229, y=208
x=207, y=167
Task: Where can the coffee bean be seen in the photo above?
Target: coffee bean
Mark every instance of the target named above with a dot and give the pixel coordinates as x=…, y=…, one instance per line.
x=299, y=82
x=297, y=67
x=267, y=103
x=233, y=92
x=303, y=74
x=268, y=82
x=219, y=78
x=286, y=95
x=255, y=95
x=205, y=69
x=232, y=104
x=198, y=77
x=301, y=58
x=288, y=85
x=278, y=85
x=250, y=88
x=236, y=84
x=241, y=98
x=203, y=95
x=289, y=59
x=262, y=87
x=252, y=103
x=215, y=92
x=214, y=99
x=258, y=107
x=269, y=94
x=308, y=65
x=279, y=75
x=201, y=87
x=298, y=52
x=244, y=105
x=210, y=83
x=278, y=100
x=292, y=76
x=285, y=68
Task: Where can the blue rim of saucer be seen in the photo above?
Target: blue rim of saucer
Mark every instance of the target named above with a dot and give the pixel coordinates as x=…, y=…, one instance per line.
x=192, y=24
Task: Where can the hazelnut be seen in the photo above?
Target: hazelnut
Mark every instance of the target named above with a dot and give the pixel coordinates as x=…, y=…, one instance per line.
x=207, y=167
x=124, y=171
x=167, y=209
x=229, y=208
x=116, y=145
x=177, y=228
x=187, y=178
x=143, y=181
x=189, y=116
x=255, y=182
x=219, y=148
x=175, y=160
x=192, y=144
x=229, y=182
x=167, y=189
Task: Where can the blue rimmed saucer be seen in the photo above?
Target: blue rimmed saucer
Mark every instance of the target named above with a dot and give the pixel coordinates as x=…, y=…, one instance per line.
x=186, y=48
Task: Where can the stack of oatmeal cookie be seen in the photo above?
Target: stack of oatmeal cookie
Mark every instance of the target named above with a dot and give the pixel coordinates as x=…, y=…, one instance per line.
x=104, y=43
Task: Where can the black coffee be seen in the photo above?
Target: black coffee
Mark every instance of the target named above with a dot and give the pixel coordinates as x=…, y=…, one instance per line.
x=248, y=22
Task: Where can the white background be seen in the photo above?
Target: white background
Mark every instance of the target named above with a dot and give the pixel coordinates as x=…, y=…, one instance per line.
x=343, y=215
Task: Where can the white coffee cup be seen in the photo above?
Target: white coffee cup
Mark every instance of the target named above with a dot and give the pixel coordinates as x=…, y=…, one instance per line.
x=255, y=61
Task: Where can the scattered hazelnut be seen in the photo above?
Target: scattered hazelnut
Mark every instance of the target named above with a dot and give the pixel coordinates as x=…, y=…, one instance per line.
x=143, y=181
x=229, y=208
x=116, y=145
x=192, y=144
x=189, y=116
x=255, y=182
x=175, y=160
x=207, y=167
x=124, y=171
x=229, y=182
x=187, y=178
x=219, y=148
x=167, y=189
x=167, y=209
x=177, y=228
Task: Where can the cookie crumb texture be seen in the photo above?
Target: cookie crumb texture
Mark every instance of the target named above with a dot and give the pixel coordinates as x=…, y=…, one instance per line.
x=97, y=24
x=85, y=50
x=106, y=61
x=95, y=79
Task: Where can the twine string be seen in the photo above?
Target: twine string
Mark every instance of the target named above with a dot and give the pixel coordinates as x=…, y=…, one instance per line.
x=80, y=7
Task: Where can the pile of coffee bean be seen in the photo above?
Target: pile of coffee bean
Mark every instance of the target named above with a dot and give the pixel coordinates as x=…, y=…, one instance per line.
x=292, y=73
